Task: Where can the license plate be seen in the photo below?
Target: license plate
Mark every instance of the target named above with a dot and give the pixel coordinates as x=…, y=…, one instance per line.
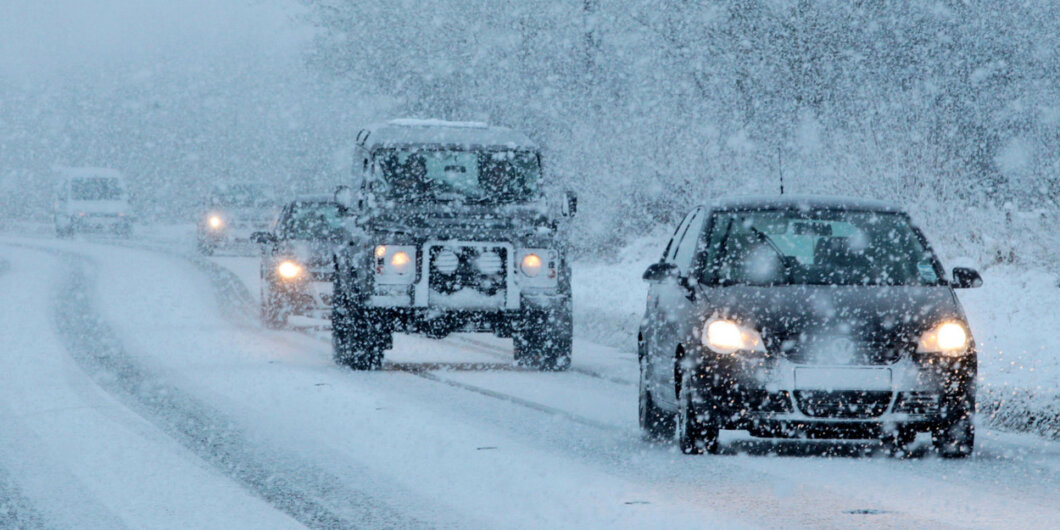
x=842, y=378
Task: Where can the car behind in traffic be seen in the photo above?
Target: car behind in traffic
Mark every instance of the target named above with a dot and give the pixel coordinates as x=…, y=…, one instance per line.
x=231, y=213
x=806, y=317
x=297, y=263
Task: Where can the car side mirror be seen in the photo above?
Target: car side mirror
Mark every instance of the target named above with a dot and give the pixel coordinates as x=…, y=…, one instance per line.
x=964, y=278
x=346, y=197
x=657, y=272
x=571, y=204
x=263, y=238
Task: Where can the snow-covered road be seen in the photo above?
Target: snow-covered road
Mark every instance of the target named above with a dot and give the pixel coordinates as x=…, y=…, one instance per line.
x=137, y=389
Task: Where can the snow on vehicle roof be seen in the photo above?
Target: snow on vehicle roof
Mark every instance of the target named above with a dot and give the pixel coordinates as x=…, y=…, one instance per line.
x=313, y=197
x=87, y=172
x=404, y=132
x=810, y=202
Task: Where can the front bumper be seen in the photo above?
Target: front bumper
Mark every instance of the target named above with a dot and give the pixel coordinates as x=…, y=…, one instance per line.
x=775, y=397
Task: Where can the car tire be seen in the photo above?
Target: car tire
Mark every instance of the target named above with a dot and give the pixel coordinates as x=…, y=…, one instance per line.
x=697, y=429
x=956, y=440
x=205, y=247
x=656, y=424
x=273, y=315
x=896, y=443
x=954, y=436
x=357, y=338
x=544, y=340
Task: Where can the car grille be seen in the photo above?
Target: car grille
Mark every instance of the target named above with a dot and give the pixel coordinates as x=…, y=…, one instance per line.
x=852, y=404
x=842, y=352
x=917, y=403
x=482, y=268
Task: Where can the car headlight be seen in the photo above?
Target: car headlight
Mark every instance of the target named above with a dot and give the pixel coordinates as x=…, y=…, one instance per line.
x=948, y=338
x=539, y=268
x=395, y=263
x=215, y=222
x=726, y=336
x=289, y=270
x=531, y=265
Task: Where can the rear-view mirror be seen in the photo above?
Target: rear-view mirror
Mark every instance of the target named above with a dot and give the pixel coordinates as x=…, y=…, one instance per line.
x=657, y=272
x=263, y=238
x=964, y=278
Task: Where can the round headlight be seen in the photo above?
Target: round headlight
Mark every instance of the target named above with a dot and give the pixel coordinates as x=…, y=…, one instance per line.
x=531, y=265
x=289, y=270
x=400, y=261
x=215, y=222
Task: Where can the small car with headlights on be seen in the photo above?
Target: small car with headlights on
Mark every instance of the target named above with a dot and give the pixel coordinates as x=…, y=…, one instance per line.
x=296, y=261
x=231, y=213
x=806, y=317
x=452, y=231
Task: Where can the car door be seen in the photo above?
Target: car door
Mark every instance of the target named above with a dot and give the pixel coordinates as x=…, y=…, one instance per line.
x=673, y=305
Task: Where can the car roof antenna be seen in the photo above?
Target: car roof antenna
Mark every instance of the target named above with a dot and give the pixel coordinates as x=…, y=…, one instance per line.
x=780, y=168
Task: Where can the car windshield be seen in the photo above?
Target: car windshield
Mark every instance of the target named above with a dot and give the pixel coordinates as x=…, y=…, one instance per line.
x=478, y=175
x=96, y=189
x=827, y=247
x=312, y=220
x=241, y=196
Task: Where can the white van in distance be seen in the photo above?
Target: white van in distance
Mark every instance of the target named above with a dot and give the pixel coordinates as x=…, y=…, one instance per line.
x=91, y=199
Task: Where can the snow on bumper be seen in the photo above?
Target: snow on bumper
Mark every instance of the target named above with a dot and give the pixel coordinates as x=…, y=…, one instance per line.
x=771, y=394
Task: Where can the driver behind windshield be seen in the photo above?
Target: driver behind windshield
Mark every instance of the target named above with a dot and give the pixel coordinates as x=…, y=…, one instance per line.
x=441, y=174
x=819, y=248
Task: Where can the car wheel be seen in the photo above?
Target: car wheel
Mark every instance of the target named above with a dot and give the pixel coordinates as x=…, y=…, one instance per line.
x=206, y=248
x=273, y=313
x=954, y=436
x=544, y=340
x=697, y=430
x=655, y=423
x=897, y=443
x=357, y=339
x=956, y=440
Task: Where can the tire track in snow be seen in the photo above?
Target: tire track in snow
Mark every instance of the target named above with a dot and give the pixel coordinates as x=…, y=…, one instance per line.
x=311, y=496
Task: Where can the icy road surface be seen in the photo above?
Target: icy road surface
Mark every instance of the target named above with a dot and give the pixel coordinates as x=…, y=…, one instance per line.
x=137, y=389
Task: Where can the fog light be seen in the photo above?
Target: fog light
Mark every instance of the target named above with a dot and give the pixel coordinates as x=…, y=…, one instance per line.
x=215, y=222
x=489, y=262
x=446, y=262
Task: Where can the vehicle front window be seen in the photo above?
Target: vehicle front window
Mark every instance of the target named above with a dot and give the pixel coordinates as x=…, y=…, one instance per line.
x=826, y=247
x=96, y=189
x=414, y=174
x=313, y=221
x=242, y=196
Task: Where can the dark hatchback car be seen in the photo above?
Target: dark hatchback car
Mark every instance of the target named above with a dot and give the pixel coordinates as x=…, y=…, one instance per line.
x=806, y=317
x=297, y=265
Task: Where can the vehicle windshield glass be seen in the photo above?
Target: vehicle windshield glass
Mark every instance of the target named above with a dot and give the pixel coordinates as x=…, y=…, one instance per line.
x=826, y=247
x=96, y=189
x=241, y=196
x=312, y=220
x=413, y=174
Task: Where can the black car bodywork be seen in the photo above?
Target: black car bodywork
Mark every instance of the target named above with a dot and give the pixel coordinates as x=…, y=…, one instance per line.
x=831, y=338
x=450, y=230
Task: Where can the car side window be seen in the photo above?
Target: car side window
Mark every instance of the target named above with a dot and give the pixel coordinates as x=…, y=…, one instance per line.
x=671, y=247
x=686, y=249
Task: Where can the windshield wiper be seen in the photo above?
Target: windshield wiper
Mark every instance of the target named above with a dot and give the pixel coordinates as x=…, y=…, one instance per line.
x=780, y=254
